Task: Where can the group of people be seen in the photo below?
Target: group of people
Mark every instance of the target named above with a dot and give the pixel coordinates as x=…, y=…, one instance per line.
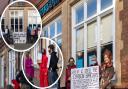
x=32, y=34
x=106, y=71
x=47, y=75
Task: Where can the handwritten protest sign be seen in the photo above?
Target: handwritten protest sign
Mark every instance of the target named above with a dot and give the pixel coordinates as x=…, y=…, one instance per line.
x=85, y=78
x=19, y=37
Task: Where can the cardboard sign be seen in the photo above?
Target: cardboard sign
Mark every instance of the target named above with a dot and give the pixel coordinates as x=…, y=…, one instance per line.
x=19, y=37
x=85, y=78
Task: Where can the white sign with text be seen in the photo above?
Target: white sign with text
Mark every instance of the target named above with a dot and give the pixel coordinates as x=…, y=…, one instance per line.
x=85, y=78
x=19, y=37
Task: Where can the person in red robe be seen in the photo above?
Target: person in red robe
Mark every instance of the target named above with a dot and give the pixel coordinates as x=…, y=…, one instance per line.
x=43, y=70
x=68, y=72
x=16, y=84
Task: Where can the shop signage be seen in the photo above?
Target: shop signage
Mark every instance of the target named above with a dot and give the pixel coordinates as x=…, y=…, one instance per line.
x=19, y=37
x=85, y=78
x=49, y=6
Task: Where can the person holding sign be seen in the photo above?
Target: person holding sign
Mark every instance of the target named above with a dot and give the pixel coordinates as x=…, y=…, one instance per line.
x=43, y=69
x=107, y=71
x=68, y=71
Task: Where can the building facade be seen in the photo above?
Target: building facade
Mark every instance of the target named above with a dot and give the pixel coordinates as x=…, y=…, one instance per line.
x=85, y=28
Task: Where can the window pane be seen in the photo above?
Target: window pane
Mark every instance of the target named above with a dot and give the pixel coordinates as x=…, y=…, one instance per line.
x=59, y=41
x=80, y=39
x=52, y=30
x=20, y=21
x=16, y=20
x=91, y=35
x=46, y=32
x=106, y=29
x=92, y=57
x=21, y=28
x=59, y=26
x=79, y=14
x=16, y=28
x=80, y=59
x=12, y=27
x=20, y=13
x=91, y=7
x=12, y=20
x=105, y=4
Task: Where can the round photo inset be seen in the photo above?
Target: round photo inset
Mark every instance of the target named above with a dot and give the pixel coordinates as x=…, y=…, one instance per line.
x=20, y=25
x=43, y=64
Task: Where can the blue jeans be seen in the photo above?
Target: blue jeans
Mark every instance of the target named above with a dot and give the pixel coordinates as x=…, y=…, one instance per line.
x=52, y=77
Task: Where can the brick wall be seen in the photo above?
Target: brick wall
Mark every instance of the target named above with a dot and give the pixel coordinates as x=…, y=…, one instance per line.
x=124, y=37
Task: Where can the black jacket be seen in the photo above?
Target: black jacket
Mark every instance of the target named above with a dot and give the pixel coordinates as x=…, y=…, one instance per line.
x=53, y=61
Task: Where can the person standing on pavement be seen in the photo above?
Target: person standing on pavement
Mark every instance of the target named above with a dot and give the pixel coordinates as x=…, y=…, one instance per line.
x=53, y=75
x=29, y=69
x=43, y=69
x=70, y=66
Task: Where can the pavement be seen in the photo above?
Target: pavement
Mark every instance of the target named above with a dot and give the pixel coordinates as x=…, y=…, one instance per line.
x=22, y=46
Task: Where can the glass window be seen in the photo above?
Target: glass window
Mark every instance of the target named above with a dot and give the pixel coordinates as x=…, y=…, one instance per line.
x=59, y=41
x=46, y=32
x=91, y=57
x=79, y=14
x=80, y=39
x=59, y=26
x=91, y=35
x=91, y=7
x=105, y=4
x=3, y=25
x=52, y=30
x=106, y=29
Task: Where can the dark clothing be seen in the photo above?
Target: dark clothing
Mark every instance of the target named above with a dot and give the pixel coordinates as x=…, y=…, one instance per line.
x=20, y=78
x=53, y=75
x=53, y=62
x=28, y=35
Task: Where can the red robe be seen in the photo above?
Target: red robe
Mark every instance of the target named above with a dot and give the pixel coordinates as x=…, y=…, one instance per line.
x=16, y=84
x=68, y=75
x=44, y=71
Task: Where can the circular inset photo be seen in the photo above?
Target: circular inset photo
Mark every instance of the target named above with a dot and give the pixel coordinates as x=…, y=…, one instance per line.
x=20, y=25
x=43, y=64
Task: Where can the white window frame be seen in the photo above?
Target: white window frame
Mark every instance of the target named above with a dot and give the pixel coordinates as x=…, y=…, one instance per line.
x=97, y=17
x=18, y=19
x=12, y=68
x=48, y=28
x=29, y=16
x=2, y=72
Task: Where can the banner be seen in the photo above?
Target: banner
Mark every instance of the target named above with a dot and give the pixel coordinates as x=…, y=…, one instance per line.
x=19, y=37
x=85, y=78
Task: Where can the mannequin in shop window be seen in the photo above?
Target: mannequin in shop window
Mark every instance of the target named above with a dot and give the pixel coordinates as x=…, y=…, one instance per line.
x=106, y=71
x=70, y=66
x=43, y=69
